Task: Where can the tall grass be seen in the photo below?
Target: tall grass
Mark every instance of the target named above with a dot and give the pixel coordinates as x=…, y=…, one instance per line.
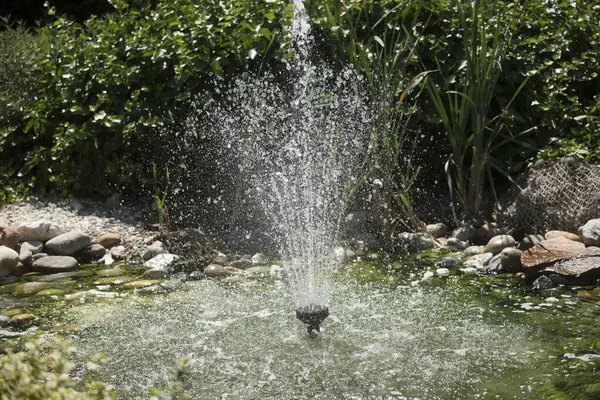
x=378, y=43
x=465, y=111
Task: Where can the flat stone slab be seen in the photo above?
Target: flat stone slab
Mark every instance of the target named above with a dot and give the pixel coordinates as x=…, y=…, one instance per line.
x=575, y=267
x=53, y=264
x=551, y=250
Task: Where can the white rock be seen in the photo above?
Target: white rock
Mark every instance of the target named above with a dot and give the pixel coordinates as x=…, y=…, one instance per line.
x=590, y=233
x=468, y=271
x=38, y=230
x=442, y=271
x=34, y=246
x=437, y=230
x=428, y=275
x=478, y=261
x=161, y=261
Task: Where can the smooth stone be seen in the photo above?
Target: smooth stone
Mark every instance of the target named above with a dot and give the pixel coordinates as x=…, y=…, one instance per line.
x=21, y=269
x=468, y=271
x=232, y=279
x=457, y=244
x=113, y=280
x=241, y=264
x=414, y=242
x=38, y=231
x=543, y=282
x=111, y=272
x=161, y=261
x=4, y=334
x=473, y=251
x=8, y=260
x=34, y=246
x=141, y=283
x=21, y=320
x=593, y=294
x=50, y=292
x=25, y=256
x=91, y=293
x=276, y=270
x=447, y=262
x=442, y=271
x=488, y=231
x=221, y=259
x=590, y=232
x=196, y=275
x=529, y=241
x=427, y=275
x=109, y=239
x=258, y=271
x=437, y=230
x=68, y=244
x=155, y=249
x=498, y=243
x=118, y=253
x=37, y=256
x=465, y=233
x=478, y=261
x=92, y=253
x=154, y=289
x=64, y=275
x=216, y=271
x=52, y=264
x=9, y=237
x=259, y=258
x=510, y=259
x=25, y=288
x=567, y=235
x=171, y=284
x=155, y=274
x=7, y=280
x=4, y=321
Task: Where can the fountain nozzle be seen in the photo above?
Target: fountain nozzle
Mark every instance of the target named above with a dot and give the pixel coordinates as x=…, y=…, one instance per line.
x=312, y=316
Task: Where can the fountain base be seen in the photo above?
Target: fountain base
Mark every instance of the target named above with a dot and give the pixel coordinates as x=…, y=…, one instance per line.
x=312, y=316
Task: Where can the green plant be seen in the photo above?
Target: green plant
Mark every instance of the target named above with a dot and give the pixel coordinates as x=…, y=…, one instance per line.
x=41, y=371
x=160, y=198
x=466, y=112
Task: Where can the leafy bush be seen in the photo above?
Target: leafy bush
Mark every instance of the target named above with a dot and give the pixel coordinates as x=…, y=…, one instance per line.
x=108, y=83
x=42, y=373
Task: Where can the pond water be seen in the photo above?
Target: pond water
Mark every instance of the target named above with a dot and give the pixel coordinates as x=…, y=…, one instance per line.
x=390, y=336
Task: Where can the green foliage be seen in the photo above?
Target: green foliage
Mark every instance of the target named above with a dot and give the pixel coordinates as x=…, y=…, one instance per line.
x=41, y=372
x=108, y=83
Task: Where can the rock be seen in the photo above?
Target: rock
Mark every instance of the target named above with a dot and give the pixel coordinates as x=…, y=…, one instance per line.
x=118, y=253
x=193, y=243
x=21, y=269
x=468, y=271
x=196, y=275
x=8, y=260
x=141, y=284
x=276, y=270
x=154, y=250
x=259, y=258
x=26, y=288
x=577, y=267
x=543, y=282
x=590, y=233
x=215, y=271
x=68, y=244
x=552, y=250
x=442, y=271
x=4, y=321
x=52, y=264
x=488, y=231
x=566, y=235
x=593, y=295
x=498, y=243
x=64, y=275
x=242, y=263
x=473, y=251
x=478, y=261
x=457, y=244
x=415, y=242
x=220, y=258
x=34, y=246
x=161, y=261
x=529, y=241
x=465, y=233
x=9, y=237
x=427, y=275
x=437, y=230
x=109, y=239
x=38, y=256
x=494, y=265
x=171, y=284
x=154, y=289
x=155, y=274
x=510, y=259
x=38, y=231
x=117, y=271
x=22, y=320
x=25, y=256
x=8, y=334
x=447, y=262
x=7, y=280
x=92, y=253
x=258, y=271
x=91, y=293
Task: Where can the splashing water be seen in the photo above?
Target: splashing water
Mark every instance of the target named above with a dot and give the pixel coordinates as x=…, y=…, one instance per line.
x=300, y=144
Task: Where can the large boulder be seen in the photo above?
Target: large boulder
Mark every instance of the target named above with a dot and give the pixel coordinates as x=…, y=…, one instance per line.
x=499, y=243
x=38, y=230
x=52, y=264
x=9, y=237
x=108, y=239
x=549, y=251
x=68, y=243
x=8, y=260
x=590, y=233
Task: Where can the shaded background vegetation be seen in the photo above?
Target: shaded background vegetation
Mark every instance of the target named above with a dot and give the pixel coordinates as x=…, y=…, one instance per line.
x=92, y=93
